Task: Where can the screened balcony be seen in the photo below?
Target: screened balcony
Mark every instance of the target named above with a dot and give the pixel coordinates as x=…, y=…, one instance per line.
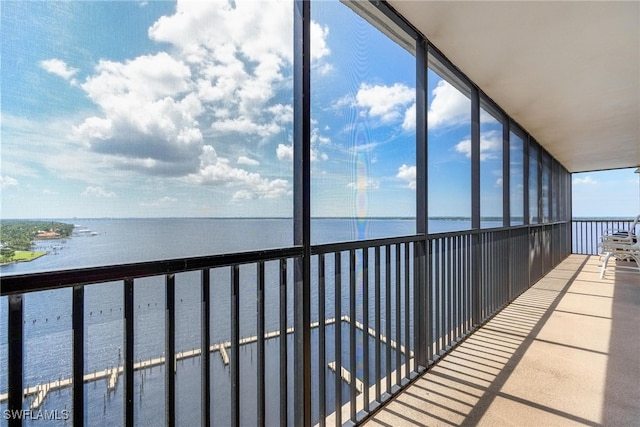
x=428, y=326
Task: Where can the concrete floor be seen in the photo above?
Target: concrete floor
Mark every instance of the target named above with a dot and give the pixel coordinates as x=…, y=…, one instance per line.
x=566, y=352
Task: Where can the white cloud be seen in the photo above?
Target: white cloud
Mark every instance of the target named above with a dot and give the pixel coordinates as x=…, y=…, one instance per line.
x=388, y=103
x=317, y=138
x=7, y=182
x=499, y=182
x=148, y=110
x=216, y=170
x=244, y=160
x=409, y=123
x=97, y=192
x=264, y=189
x=449, y=106
x=490, y=145
x=284, y=152
x=319, y=46
x=587, y=180
x=59, y=68
x=244, y=125
x=147, y=77
x=226, y=73
x=407, y=173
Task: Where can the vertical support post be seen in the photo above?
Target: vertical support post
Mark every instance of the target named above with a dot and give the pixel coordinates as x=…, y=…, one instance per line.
x=322, y=350
x=525, y=195
x=205, y=345
x=438, y=249
x=525, y=178
x=377, y=293
x=302, y=210
x=387, y=314
x=352, y=335
x=365, y=329
x=260, y=344
x=407, y=341
x=337, y=335
x=397, y=335
x=78, y=355
x=475, y=205
x=170, y=352
x=506, y=201
x=235, y=345
x=284, y=360
x=539, y=179
x=129, y=416
x=420, y=307
x=15, y=357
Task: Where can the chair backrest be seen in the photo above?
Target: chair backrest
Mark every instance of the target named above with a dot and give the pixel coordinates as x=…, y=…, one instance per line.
x=634, y=225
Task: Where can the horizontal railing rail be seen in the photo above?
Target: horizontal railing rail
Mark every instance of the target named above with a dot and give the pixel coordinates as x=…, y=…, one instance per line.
x=24, y=283
x=378, y=307
x=586, y=233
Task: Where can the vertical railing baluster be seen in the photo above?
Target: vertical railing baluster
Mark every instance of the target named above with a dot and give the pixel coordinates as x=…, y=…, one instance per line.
x=365, y=328
x=170, y=352
x=407, y=281
x=462, y=272
x=456, y=288
x=129, y=415
x=486, y=285
x=453, y=305
x=497, y=271
x=322, y=334
x=338, y=336
x=463, y=284
x=235, y=346
x=205, y=344
x=448, y=284
x=260, y=346
x=377, y=303
x=352, y=333
x=283, y=343
x=397, y=334
x=78, y=354
x=387, y=314
x=437, y=283
x=15, y=357
x=430, y=304
x=495, y=276
x=468, y=282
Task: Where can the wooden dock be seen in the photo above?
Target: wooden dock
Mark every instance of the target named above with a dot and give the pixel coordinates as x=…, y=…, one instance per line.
x=112, y=374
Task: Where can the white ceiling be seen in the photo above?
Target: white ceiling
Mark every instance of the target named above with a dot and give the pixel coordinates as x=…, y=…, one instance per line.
x=569, y=72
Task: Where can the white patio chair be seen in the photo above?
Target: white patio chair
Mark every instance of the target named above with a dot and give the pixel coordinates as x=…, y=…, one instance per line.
x=622, y=245
x=628, y=236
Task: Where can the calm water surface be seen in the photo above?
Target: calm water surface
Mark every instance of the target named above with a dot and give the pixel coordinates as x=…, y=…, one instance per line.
x=48, y=335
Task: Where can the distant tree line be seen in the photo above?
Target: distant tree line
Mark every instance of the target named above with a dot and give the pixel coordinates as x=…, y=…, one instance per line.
x=19, y=235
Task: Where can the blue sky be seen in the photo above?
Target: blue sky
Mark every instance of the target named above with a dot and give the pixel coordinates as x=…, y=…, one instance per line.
x=613, y=193
x=161, y=109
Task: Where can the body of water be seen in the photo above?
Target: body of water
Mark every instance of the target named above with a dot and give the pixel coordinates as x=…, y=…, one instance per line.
x=48, y=334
